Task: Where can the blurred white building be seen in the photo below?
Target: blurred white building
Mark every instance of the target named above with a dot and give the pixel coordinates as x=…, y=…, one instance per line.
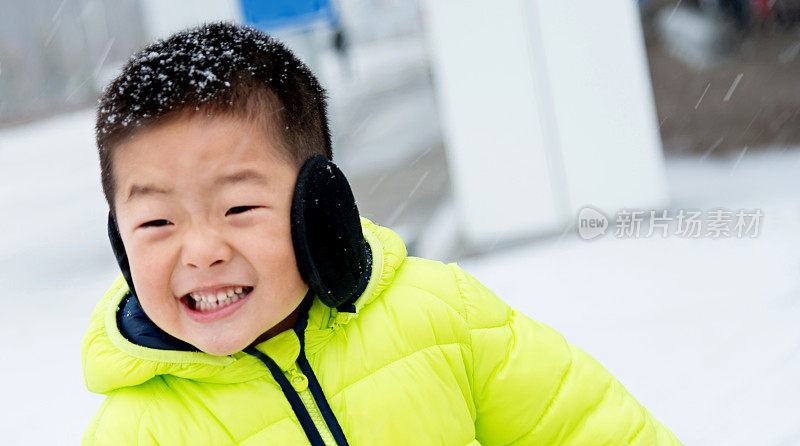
x=547, y=108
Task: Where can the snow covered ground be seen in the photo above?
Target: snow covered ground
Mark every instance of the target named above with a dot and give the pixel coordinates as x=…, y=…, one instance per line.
x=703, y=332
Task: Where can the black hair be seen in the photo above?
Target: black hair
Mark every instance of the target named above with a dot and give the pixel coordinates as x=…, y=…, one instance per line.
x=215, y=68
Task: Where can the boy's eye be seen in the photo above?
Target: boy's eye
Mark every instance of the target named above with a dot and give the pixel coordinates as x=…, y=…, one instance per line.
x=155, y=223
x=239, y=209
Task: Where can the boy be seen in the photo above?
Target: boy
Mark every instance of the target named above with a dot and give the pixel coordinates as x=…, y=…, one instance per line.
x=255, y=305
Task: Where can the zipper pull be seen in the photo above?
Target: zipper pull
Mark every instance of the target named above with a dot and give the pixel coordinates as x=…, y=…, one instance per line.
x=298, y=380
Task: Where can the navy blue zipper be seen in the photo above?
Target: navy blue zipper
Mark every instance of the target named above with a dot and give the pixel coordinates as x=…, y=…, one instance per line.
x=292, y=396
x=313, y=384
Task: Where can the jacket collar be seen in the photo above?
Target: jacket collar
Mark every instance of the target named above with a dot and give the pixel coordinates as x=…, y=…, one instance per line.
x=110, y=361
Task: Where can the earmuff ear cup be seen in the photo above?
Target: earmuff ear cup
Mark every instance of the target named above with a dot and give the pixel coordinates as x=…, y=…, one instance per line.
x=119, y=251
x=332, y=255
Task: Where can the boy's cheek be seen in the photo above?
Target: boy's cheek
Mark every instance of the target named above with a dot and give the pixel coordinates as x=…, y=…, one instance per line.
x=149, y=274
x=278, y=259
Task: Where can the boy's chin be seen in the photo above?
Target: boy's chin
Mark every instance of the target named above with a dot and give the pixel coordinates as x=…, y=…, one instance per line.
x=218, y=348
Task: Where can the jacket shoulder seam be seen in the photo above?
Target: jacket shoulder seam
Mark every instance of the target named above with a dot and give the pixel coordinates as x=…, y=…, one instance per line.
x=458, y=281
x=460, y=289
x=462, y=316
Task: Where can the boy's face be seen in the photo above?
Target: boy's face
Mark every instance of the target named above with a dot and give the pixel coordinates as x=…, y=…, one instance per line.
x=203, y=208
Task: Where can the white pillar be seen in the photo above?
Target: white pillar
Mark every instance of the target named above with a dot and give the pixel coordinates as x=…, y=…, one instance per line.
x=546, y=108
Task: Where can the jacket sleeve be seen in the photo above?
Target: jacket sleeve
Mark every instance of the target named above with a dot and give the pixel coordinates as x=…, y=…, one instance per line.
x=531, y=387
x=121, y=420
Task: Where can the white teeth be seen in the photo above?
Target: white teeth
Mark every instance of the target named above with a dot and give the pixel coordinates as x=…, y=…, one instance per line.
x=210, y=302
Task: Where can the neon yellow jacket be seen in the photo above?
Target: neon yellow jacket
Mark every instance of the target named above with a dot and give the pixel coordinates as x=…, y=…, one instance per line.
x=430, y=356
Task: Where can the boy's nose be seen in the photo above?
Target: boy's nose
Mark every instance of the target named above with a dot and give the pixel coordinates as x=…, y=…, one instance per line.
x=204, y=249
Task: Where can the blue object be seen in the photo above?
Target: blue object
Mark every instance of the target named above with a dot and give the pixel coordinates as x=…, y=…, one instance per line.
x=277, y=14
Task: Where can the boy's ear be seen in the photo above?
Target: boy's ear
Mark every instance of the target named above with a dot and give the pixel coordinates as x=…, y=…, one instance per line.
x=332, y=255
x=119, y=251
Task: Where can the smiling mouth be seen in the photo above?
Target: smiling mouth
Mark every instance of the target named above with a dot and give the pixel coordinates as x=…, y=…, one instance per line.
x=204, y=302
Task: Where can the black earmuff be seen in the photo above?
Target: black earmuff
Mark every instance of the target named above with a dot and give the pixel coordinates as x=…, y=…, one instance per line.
x=119, y=251
x=332, y=255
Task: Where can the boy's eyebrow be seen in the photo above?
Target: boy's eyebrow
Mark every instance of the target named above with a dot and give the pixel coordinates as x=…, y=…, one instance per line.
x=237, y=177
x=146, y=189
x=241, y=176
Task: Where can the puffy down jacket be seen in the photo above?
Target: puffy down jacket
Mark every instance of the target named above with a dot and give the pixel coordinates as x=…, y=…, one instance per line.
x=429, y=356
